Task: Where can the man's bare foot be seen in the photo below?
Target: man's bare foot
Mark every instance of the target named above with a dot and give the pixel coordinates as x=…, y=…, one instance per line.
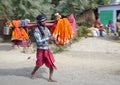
x=32, y=76
x=51, y=80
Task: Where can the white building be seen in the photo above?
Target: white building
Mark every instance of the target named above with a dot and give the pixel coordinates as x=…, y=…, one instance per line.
x=109, y=13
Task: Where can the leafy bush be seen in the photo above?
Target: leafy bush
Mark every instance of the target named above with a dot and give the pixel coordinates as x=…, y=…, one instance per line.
x=59, y=49
x=83, y=31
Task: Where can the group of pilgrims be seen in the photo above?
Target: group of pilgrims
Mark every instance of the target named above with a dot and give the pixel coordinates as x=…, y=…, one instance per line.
x=63, y=29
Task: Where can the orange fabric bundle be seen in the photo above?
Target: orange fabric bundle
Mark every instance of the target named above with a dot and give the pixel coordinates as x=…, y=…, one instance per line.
x=24, y=34
x=16, y=34
x=63, y=31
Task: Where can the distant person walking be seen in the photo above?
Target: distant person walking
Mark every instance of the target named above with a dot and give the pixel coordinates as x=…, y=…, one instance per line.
x=111, y=27
x=97, y=23
x=101, y=30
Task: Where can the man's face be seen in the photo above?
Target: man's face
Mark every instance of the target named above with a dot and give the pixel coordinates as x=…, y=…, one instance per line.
x=43, y=23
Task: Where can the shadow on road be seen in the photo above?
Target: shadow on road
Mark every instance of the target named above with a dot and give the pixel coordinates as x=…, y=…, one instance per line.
x=109, y=38
x=5, y=47
x=24, y=72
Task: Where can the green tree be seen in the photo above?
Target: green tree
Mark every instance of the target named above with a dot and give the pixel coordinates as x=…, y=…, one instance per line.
x=96, y=3
x=26, y=8
x=102, y=2
x=55, y=2
x=66, y=7
x=30, y=8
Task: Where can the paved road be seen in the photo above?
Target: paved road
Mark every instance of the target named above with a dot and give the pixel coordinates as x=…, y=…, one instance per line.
x=91, y=61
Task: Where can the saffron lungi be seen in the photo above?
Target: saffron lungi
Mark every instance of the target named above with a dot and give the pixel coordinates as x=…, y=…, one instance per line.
x=45, y=57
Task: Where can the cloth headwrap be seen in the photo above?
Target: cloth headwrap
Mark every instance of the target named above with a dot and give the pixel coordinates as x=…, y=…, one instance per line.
x=40, y=18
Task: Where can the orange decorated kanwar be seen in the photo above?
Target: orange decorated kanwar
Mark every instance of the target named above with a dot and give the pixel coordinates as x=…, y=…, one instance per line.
x=63, y=31
x=16, y=34
x=24, y=34
x=19, y=33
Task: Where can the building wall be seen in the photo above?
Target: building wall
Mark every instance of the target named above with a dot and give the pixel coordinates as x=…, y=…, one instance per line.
x=110, y=7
